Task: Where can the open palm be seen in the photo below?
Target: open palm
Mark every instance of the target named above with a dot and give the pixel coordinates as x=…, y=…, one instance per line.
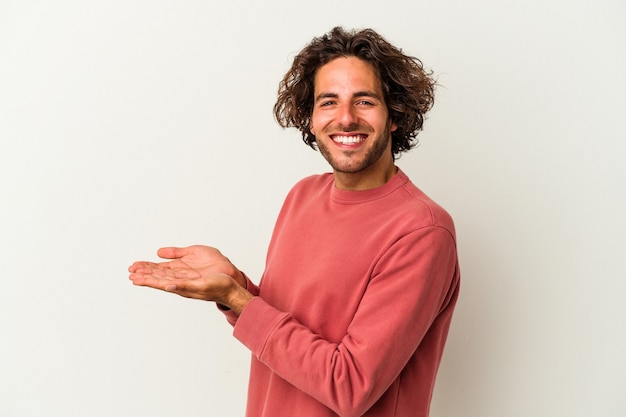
x=194, y=271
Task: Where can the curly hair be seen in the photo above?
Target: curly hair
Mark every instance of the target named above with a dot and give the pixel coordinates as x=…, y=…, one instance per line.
x=408, y=88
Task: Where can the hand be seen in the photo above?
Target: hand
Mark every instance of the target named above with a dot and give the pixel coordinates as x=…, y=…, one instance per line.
x=200, y=272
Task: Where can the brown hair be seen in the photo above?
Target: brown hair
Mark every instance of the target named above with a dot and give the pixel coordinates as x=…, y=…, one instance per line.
x=408, y=89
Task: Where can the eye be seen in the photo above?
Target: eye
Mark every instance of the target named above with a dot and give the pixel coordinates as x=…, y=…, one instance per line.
x=364, y=103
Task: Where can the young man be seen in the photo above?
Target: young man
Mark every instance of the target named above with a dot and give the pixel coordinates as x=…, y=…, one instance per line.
x=353, y=309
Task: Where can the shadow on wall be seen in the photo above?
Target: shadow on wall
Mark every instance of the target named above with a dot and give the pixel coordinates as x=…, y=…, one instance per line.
x=480, y=354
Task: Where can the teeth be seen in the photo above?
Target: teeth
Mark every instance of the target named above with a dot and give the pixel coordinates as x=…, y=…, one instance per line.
x=348, y=140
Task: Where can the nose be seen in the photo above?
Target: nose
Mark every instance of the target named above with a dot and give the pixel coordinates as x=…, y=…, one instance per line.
x=346, y=116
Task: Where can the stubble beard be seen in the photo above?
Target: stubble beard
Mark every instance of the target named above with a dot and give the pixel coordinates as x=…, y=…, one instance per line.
x=352, y=167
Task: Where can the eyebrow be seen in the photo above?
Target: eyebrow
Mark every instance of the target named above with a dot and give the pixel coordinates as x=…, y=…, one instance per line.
x=365, y=93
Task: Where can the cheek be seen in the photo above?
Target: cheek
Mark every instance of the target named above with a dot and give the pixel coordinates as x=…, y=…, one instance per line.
x=319, y=121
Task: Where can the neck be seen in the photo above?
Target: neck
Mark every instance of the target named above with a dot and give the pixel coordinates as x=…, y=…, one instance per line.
x=366, y=179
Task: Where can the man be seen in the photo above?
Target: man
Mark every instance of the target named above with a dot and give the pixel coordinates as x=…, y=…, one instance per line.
x=353, y=309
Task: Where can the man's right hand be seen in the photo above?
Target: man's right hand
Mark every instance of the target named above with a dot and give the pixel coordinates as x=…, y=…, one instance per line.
x=200, y=272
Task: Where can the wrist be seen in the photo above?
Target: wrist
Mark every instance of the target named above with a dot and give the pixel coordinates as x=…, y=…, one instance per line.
x=237, y=299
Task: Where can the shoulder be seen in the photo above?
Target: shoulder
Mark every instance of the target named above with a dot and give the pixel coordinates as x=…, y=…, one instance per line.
x=418, y=209
x=313, y=184
x=314, y=181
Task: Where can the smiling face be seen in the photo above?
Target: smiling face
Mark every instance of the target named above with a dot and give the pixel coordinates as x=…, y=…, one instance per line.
x=351, y=123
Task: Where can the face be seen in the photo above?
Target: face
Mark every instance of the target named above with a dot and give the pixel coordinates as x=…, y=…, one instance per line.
x=350, y=120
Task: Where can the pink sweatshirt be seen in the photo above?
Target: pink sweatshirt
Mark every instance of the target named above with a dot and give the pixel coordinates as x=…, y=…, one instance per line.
x=352, y=312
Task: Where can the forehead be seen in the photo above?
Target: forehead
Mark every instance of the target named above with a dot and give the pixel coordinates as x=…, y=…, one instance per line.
x=346, y=73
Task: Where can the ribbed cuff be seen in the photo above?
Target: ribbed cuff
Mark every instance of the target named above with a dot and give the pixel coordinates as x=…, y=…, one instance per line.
x=256, y=323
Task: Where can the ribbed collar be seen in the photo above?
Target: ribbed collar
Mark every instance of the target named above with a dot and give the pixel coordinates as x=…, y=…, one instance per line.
x=363, y=196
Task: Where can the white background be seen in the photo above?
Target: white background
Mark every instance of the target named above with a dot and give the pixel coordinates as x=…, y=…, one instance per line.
x=130, y=125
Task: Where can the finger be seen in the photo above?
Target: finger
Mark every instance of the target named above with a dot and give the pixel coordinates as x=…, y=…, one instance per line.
x=148, y=269
x=184, y=288
x=139, y=265
x=151, y=281
x=149, y=266
x=172, y=252
x=164, y=284
x=165, y=271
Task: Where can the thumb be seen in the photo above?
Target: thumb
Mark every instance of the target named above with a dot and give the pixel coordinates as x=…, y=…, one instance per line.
x=172, y=252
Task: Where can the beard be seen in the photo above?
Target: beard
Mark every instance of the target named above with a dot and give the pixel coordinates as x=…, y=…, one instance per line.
x=345, y=163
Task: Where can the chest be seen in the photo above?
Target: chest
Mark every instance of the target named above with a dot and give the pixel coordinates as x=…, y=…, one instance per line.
x=320, y=262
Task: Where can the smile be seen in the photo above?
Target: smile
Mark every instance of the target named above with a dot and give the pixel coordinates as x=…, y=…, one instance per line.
x=348, y=140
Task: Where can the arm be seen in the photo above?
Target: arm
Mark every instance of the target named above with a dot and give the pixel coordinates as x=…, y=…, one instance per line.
x=406, y=306
x=199, y=272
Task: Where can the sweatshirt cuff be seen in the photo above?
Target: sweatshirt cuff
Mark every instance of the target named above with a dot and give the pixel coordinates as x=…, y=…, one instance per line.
x=256, y=323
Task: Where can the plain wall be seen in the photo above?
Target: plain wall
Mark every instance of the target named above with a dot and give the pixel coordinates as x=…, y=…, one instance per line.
x=130, y=125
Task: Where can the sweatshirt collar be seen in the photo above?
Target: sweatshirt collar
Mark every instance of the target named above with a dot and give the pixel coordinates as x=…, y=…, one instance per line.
x=362, y=196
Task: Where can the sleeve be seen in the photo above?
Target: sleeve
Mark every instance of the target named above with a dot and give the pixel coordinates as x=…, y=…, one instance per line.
x=412, y=283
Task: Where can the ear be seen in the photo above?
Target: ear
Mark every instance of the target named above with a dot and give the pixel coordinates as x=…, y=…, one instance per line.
x=312, y=130
x=393, y=127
